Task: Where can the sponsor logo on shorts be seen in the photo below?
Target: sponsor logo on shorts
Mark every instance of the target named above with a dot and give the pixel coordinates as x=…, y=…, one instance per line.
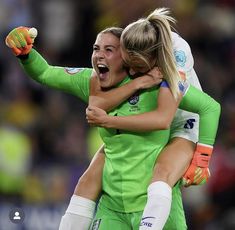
x=180, y=58
x=96, y=224
x=72, y=70
x=189, y=124
x=147, y=221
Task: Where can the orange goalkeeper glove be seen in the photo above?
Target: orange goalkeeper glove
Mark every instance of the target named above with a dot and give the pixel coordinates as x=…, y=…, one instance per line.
x=198, y=172
x=21, y=40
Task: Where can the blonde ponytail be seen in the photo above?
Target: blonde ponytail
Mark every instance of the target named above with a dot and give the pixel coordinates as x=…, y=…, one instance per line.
x=160, y=19
x=148, y=41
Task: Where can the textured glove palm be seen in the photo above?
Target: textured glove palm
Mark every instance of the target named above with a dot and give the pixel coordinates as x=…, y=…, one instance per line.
x=20, y=41
x=198, y=172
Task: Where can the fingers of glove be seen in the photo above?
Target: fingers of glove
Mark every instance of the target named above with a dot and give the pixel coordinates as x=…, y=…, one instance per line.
x=197, y=174
x=18, y=50
x=199, y=180
x=188, y=177
x=19, y=38
x=185, y=182
x=14, y=43
x=206, y=175
x=190, y=173
x=203, y=177
x=188, y=182
x=26, y=49
x=23, y=36
x=192, y=176
x=10, y=43
x=27, y=35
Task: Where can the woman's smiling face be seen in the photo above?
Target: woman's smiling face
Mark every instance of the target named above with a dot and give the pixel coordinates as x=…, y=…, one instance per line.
x=107, y=60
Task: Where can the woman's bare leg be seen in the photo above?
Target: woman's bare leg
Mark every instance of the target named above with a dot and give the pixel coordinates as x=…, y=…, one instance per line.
x=173, y=161
x=89, y=184
x=171, y=165
x=79, y=213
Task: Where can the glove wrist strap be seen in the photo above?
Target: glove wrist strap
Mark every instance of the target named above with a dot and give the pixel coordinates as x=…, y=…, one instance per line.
x=202, y=155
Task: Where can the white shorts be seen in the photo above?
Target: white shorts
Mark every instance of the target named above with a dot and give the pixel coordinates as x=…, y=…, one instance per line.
x=185, y=125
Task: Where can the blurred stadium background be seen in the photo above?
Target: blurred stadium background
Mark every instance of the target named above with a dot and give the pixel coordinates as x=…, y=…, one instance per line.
x=45, y=143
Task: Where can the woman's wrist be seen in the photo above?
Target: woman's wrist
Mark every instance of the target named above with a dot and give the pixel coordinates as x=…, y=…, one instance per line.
x=136, y=84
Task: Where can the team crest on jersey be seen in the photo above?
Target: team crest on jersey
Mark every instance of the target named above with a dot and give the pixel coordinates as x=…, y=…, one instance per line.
x=180, y=57
x=134, y=99
x=72, y=70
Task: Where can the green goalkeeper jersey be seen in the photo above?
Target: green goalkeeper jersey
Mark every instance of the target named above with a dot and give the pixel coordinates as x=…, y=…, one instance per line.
x=130, y=157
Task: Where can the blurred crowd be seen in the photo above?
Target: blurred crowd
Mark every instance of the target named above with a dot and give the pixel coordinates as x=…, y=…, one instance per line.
x=45, y=142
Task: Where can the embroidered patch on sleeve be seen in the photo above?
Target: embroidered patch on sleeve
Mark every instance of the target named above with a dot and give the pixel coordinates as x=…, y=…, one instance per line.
x=72, y=70
x=180, y=58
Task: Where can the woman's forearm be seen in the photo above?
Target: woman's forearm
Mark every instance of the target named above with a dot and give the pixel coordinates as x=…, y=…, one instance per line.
x=34, y=65
x=107, y=100
x=75, y=82
x=145, y=122
x=157, y=119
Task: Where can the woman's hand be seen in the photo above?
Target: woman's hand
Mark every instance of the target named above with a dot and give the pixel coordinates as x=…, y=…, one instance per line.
x=21, y=40
x=96, y=116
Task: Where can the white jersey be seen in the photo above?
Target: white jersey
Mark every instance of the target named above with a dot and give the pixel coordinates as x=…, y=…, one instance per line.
x=185, y=124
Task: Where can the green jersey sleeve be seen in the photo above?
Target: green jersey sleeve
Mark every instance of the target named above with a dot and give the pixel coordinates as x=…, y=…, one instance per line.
x=208, y=109
x=75, y=81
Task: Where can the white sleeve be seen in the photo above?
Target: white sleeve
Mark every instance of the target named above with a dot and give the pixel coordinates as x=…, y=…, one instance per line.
x=184, y=59
x=183, y=54
x=185, y=124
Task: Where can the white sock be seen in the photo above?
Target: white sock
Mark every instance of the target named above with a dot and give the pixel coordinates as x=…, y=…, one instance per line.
x=78, y=215
x=158, y=206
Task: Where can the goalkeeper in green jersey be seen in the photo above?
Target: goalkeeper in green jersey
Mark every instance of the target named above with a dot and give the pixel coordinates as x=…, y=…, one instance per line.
x=127, y=166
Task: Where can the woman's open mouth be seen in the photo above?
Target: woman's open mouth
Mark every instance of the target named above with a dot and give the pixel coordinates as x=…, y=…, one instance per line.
x=103, y=70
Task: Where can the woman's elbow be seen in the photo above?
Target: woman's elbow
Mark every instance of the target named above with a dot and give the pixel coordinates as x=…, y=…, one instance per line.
x=166, y=125
x=96, y=101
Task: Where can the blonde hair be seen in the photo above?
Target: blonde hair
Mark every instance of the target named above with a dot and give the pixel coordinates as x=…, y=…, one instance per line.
x=148, y=42
x=116, y=31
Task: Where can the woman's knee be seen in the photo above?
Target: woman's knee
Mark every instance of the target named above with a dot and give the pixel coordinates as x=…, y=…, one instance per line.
x=162, y=172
